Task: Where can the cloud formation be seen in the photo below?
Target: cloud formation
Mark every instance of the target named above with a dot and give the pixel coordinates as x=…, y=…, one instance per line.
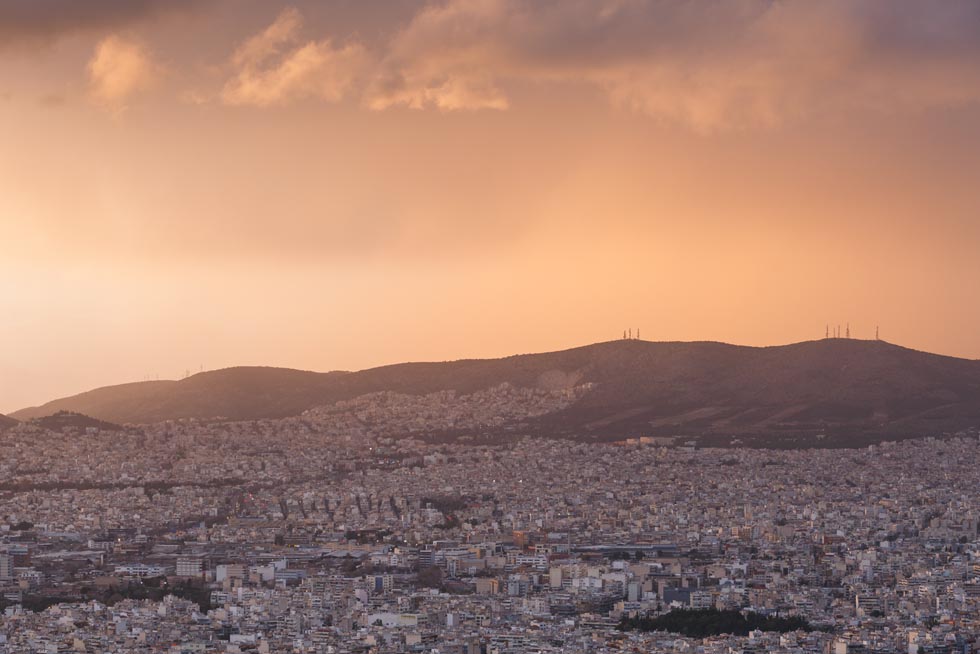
x=119, y=69
x=705, y=64
x=43, y=20
x=274, y=67
x=708, y=64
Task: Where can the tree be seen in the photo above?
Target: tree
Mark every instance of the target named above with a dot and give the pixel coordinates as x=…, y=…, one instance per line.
x=699, y=623
x=430, y=577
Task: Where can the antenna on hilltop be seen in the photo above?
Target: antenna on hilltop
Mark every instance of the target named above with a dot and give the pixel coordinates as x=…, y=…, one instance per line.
x=848, y=330
x=637, y=333
x=631, y=333
x=624, y=334
x=876, y=333
x=826, y=331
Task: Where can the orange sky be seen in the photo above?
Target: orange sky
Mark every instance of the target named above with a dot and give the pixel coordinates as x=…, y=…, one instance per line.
x=337, y=185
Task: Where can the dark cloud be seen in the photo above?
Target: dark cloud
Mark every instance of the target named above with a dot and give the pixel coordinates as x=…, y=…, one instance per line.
x=39, y=21
x=709, y=63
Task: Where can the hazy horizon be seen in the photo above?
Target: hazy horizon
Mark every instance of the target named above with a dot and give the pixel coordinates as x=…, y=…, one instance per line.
x=341, y=185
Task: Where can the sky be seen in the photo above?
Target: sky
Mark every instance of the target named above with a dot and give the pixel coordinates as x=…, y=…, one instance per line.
x=342, y=184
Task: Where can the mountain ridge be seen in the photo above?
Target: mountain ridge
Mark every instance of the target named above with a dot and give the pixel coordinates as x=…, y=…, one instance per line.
x=704, y=388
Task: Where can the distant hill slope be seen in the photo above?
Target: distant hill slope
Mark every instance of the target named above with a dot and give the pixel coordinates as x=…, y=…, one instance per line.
x=6, y=422
x=232, y=393
x=838, y=387
x=70, y=420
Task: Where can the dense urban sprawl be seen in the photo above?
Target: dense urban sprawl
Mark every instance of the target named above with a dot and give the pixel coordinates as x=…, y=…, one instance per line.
x=347, y=529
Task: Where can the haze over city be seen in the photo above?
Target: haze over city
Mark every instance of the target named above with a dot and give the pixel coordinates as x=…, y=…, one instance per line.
x=339, y=185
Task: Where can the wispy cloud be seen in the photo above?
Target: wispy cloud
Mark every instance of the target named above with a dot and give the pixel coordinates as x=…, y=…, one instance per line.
x=119, y=69
x=277, y=67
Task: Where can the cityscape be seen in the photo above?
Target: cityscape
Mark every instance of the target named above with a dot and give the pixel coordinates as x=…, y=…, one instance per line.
x=489, y=327
x=354, y=533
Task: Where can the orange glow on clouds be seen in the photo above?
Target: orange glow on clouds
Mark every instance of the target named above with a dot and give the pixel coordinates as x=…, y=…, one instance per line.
x=328, y=185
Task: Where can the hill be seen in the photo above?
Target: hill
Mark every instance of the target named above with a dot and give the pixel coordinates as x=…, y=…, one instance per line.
x=6, y=422
x=842, y=390
x=231, y=393
x=75, y=421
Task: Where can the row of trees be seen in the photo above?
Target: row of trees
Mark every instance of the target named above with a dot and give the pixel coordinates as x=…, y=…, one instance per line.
x=700, y=623
x=154, y=589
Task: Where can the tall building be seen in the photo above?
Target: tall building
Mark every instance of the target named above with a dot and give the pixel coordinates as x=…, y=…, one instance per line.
x=6, y=566
x=190, y=567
